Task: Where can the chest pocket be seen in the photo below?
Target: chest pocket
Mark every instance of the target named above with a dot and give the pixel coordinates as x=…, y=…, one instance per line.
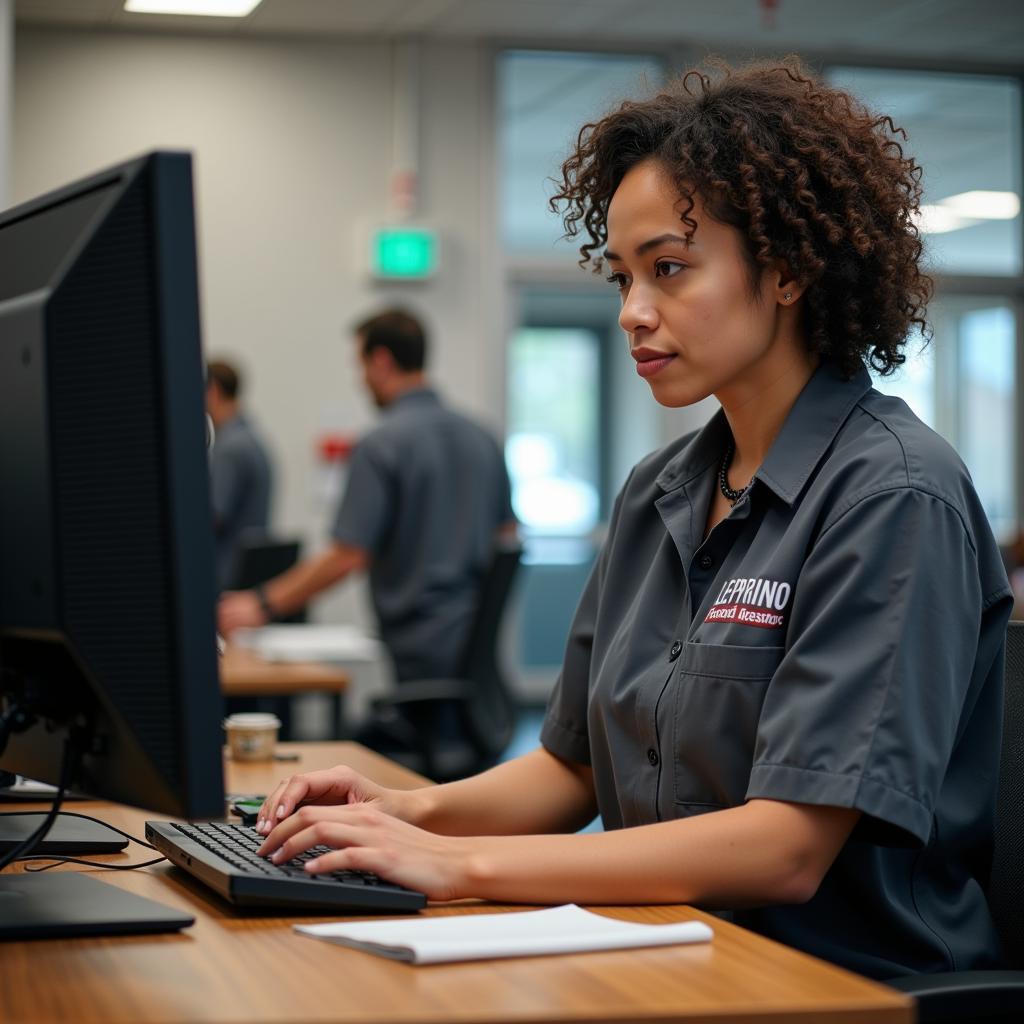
x=719, y=690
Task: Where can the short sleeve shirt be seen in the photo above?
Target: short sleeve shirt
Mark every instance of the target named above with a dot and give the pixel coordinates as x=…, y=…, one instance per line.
x=240, y=485
x=426, y=491
x=836, y=640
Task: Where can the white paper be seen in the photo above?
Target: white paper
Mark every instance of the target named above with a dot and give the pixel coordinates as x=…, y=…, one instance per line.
x=310, y=642
x=566, y=929
x=29, y=788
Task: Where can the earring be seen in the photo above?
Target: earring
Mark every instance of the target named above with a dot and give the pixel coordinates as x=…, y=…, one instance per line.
x=787, y=296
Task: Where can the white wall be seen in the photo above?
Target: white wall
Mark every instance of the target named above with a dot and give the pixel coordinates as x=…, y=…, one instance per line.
x=6, y=88
x=293, y=147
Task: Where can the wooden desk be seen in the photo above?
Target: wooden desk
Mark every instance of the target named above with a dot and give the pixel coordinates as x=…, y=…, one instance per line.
x=245, y=674
x=231, y=968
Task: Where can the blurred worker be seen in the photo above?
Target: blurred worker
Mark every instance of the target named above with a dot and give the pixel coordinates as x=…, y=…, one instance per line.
x=427, y=497
x=241, y=476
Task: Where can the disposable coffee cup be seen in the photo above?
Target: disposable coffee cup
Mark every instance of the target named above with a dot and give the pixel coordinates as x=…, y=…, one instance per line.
x=252, y=736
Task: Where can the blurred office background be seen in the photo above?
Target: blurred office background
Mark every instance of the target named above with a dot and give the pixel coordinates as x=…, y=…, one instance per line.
x=315, y=121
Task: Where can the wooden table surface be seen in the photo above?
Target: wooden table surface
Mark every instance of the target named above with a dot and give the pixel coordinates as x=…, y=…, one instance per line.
x=248, y=968
x=244, y=673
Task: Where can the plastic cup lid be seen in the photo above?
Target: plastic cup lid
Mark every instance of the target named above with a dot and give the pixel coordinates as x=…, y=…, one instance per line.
x=252, y=720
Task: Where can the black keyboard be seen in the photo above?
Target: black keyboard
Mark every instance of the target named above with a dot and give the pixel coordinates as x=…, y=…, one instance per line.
x=223, y=856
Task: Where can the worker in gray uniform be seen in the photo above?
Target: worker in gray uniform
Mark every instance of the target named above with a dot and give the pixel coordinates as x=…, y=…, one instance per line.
x=782, y=690
x=241, y=473
x=426, y=501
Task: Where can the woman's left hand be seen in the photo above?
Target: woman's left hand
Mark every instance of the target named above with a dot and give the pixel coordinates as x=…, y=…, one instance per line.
x=367, y=839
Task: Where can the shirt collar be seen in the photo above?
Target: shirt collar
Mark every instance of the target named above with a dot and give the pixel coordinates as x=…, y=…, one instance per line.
x=230, y=426
x=417, y=396
x=811, y=426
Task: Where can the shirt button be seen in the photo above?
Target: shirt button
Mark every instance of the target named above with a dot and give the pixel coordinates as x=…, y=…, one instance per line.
x=706, y=561
x=675, y=650
x=652, y=756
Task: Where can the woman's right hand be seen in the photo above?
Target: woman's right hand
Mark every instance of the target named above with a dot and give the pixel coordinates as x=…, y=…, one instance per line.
x=340, y=785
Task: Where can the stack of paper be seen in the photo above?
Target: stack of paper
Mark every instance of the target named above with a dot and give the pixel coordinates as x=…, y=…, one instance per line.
x=568, y=929
x=301, y=642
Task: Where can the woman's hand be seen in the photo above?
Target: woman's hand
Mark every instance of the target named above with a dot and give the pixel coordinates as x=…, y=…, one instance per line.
x=367, y=838
x=340, y=785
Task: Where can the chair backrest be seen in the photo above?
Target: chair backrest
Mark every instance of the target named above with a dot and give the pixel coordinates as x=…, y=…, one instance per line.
x=1006, y=885
x=261, y=558
x=489, y=716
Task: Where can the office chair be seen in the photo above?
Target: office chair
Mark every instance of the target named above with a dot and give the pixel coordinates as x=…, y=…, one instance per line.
x=993, y=995
x=483, y=704
x=261, y=557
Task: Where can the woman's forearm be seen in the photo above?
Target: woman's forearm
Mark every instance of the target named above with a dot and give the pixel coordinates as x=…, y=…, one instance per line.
x=762, y=852
x=531, y=794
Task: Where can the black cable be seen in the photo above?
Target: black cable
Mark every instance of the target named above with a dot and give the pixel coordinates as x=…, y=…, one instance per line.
x=57, y=859
x=68, y=767
x=88, y=863
x=27, y=845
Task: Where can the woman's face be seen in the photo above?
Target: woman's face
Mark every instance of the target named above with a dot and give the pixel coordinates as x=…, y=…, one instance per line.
x=694, y=326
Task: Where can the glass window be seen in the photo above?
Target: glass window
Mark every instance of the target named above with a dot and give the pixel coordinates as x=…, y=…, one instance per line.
x=986, y=347
x=914, y=381
x=965, y=131
x=963, y=384
x=552, y=448
x=553, y=453
x=543, y=100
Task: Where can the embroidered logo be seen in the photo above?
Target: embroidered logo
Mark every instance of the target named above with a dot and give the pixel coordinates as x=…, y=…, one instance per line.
x=751, y=602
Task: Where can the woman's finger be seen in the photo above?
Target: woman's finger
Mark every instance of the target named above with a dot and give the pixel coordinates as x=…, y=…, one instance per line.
x=303, y=834
x=331, y=786
x=264, y=819
x=349, y=858
x=305, y=818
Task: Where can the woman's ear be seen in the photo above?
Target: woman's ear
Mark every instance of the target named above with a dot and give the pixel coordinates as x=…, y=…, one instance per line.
x=786, y=289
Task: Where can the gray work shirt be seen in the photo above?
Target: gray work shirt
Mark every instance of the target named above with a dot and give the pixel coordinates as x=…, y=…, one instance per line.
x=240, y=485
x=836, y=640
x=426, y=491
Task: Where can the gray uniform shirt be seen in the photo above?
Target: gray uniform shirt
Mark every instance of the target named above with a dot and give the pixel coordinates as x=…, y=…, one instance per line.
x=427, y=489
x=240, y=485
x=836, y=640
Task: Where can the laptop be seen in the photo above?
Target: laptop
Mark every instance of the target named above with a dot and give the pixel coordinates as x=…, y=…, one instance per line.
x=70, y=904
x=68, y=836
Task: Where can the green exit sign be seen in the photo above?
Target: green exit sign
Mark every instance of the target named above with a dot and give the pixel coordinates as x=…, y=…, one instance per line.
x=404, y=252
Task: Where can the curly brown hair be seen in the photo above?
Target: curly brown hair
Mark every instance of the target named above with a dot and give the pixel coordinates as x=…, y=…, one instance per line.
x=806, y=173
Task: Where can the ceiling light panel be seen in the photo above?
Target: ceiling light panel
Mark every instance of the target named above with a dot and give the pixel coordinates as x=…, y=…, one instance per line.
x=208, y=8
x=984, y=205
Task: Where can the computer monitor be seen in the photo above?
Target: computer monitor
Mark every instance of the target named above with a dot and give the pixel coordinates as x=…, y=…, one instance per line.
x=107, y=593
